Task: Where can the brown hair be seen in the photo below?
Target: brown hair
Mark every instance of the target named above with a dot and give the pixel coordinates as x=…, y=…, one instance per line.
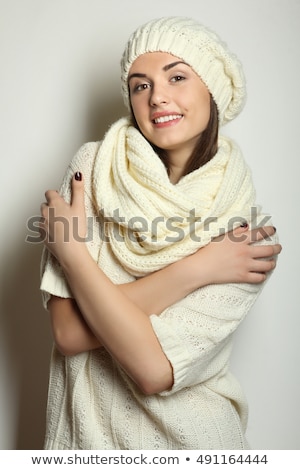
x=206, y=147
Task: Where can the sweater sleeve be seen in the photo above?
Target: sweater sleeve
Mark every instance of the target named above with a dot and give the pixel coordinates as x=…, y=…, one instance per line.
x=53, y=281
x=196, y=333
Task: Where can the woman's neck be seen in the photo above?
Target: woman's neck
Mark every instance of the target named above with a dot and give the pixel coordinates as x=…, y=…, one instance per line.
x=177, y=161
x=175, y=174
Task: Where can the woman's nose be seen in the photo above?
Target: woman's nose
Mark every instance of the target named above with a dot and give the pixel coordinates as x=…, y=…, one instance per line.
x=159, y=95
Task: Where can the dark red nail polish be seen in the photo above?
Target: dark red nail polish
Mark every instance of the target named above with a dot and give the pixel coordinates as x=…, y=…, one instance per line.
x=78, y=176
x=244, y=225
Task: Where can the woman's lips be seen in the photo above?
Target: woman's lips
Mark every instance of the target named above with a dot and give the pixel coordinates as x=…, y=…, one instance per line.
x=163, y=120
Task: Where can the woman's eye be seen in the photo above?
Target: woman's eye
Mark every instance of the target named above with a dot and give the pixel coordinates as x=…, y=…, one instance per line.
x=141, y=87
x=177, y=78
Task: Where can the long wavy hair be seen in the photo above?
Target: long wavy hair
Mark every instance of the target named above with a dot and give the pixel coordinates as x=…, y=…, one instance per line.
x=205, y=148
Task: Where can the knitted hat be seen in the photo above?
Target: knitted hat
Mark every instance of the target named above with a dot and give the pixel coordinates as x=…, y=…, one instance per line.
x=200, y=48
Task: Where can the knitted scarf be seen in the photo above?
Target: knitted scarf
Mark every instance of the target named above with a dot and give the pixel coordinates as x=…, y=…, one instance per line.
x=151, y=222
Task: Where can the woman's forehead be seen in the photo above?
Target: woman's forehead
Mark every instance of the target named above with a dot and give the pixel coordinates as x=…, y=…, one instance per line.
x=157, y=57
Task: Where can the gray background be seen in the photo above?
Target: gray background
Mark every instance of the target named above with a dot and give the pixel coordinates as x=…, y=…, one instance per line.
x=59, y=87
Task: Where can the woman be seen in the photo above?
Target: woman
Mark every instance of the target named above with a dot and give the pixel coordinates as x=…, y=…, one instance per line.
x=150, y=264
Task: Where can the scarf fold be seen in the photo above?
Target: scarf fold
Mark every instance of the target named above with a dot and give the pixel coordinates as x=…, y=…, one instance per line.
x=151, y=222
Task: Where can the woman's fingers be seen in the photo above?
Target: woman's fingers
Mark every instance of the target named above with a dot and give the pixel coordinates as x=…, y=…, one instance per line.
x=255, y=277
x=51, y=195
x=253, y=235
x=261, y=233
x=262, y=265
x=265, y=251
x=43, y=208
x=77, y=199
x=247, y=236
x=63, y=225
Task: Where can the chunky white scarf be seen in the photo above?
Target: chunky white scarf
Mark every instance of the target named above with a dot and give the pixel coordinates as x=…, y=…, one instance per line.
x=151, y=222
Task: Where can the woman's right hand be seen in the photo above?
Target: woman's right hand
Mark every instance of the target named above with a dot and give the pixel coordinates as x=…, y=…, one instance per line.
x=236, y=257
x=233, y=257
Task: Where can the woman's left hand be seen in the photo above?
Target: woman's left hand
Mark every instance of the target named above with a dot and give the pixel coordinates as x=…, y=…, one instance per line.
x=63, y=226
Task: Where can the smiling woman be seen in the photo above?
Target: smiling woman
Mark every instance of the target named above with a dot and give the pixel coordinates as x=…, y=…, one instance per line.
x=143, y=321
x=171, y=105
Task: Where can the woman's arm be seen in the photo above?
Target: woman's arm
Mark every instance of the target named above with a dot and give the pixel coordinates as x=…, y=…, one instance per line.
x=116, y=320
x=231, y=258
x=151, y=294
x=70, y=331
x=117, y=323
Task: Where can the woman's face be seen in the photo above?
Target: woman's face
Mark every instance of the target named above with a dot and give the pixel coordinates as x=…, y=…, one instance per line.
x=170, y=102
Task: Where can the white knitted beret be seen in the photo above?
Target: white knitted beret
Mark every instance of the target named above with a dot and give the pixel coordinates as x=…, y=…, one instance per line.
x=200, y=48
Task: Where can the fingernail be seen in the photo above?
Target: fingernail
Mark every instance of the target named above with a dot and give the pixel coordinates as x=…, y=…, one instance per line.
x=244, y=225
x=78, y=176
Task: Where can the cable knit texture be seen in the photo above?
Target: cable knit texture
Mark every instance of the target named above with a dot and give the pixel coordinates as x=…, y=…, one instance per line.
x=200, y=48
x=92, y=403
x=146, y=212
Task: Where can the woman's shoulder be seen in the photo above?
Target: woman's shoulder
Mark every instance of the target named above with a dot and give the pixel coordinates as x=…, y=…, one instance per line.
x=82, y=161
x=85, y=156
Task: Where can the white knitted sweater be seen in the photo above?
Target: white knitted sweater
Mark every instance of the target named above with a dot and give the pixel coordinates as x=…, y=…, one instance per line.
x=93, y=404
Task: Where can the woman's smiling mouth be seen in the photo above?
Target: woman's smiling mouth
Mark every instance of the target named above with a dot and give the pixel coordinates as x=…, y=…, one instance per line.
x=167, y=119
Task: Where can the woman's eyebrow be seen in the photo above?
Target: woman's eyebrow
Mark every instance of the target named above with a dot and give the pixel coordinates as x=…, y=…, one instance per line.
x=173, y=64
x=165, y=69
x=138, y=75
